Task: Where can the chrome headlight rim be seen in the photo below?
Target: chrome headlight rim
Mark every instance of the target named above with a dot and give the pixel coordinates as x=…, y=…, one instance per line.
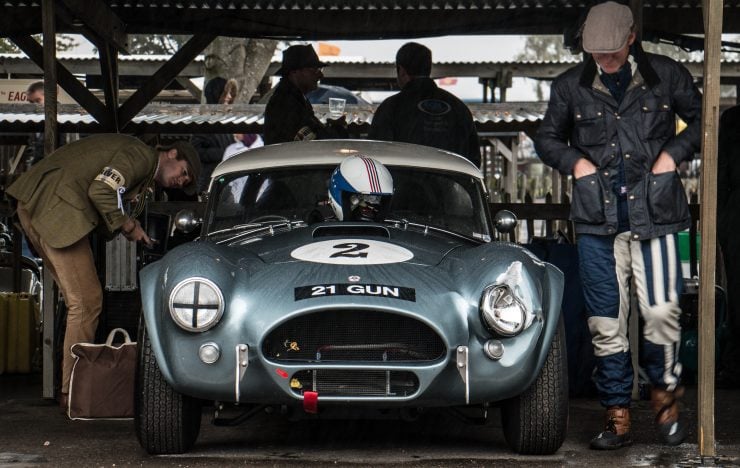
x=487, y=306
x=219, y=311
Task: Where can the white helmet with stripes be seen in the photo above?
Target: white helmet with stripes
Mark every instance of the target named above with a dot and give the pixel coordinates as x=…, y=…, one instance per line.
x=360, y=189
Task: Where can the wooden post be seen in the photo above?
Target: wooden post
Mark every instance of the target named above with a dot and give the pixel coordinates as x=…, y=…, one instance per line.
x=50, y=139
x=50, y=76
x=712, y=10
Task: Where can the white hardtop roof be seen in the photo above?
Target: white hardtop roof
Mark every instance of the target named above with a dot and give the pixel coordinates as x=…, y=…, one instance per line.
x=332, y=152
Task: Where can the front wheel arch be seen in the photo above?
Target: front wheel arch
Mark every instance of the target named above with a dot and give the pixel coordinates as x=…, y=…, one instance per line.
x=166, y=421
x=536, y=421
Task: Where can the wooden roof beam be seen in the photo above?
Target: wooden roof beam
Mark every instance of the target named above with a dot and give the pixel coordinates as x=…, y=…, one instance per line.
x=67, y=81
x=99, y=17
x=162, y=77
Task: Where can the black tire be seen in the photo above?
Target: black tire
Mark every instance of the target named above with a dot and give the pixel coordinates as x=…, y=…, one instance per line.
x=535, y=422
x=166, y=421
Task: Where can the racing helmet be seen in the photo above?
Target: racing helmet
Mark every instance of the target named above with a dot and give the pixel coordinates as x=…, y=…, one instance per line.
x=360, y=189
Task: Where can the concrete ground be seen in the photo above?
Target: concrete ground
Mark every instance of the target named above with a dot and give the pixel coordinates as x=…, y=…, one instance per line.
x=34, y=433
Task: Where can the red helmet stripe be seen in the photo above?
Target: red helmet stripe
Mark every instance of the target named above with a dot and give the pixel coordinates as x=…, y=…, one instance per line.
x=372, y=175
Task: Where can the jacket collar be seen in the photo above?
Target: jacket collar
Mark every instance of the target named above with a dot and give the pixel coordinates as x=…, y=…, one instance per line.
x=421, y=83
x=644, y=69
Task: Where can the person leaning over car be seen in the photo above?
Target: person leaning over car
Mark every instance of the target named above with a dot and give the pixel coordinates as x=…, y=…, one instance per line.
x=288, y=114
x=422, y=113
x=611, y=124
x=84, y=186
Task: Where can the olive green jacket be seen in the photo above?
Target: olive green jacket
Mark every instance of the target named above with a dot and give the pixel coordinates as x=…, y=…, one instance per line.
x=68, y=193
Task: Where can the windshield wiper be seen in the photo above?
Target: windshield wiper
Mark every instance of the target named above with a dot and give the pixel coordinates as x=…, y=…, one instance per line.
x=426, y=227
x=246, y=230
x=238, y=227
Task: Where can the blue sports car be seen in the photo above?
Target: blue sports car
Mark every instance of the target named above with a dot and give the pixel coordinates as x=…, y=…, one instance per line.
x=349, y=275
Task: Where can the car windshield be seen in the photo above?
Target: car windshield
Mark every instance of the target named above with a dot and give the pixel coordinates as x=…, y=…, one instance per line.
x=442, y=200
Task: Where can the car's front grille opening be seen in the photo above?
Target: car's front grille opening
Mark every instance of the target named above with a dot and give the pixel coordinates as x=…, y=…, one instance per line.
x=355, y=383
x=353, y=336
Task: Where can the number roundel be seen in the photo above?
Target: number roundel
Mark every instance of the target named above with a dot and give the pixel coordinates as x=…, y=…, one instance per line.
x=352, y=252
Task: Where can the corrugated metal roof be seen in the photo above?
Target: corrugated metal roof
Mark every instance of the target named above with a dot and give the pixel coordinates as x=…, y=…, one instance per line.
x=246, y=117
x=351, y=60
x=356, y=19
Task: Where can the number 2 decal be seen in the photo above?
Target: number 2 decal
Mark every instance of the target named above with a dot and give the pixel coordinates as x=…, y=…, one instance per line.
x=352, y=250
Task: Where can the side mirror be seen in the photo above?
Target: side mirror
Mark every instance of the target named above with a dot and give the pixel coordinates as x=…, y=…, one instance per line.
x=505, y=221
x=186, y=221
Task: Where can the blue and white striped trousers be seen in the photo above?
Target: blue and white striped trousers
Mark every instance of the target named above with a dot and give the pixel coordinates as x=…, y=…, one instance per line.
x=607, y=266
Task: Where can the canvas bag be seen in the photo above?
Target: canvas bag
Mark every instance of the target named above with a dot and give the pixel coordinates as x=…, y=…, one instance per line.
x=102, y=380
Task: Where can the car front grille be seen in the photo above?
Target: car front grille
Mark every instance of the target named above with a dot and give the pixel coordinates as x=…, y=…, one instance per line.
x=355, y=383
x=353, y=336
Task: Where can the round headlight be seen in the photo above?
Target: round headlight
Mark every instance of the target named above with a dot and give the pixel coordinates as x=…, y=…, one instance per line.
x=196, y=304
x=502, y=312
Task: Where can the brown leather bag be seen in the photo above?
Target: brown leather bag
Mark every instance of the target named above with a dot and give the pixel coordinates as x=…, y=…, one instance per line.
x=102, y=380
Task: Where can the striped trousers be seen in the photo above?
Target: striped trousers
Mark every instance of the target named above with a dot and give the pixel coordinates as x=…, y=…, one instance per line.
x=608, y=264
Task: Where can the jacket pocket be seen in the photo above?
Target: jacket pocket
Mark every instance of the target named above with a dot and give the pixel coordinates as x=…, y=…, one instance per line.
x=658, y=121
x=590, y=127
x=588, y=200
x=72, y=194
x=666, y=198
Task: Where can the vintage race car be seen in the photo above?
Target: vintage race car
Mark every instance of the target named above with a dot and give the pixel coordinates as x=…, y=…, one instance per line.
x=278, y=305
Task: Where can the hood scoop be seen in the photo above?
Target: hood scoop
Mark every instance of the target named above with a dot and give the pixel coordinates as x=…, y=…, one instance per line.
x=351, y=230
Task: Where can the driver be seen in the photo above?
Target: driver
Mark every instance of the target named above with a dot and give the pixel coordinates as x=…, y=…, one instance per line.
x=360, y=189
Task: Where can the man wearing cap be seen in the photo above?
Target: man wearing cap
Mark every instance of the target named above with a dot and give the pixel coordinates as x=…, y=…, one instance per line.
x=97, y=183
x=288, y=115
x=422, y=113
x=611, y=124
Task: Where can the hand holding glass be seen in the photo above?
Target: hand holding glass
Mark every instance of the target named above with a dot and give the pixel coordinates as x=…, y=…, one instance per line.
x=336, y=107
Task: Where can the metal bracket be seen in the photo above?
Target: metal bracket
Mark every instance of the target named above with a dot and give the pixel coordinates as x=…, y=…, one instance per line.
x=242, y=362
x=462, y=368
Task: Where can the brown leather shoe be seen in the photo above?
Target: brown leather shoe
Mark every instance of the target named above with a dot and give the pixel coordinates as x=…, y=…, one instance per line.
x=665, y=404
x=617, y=430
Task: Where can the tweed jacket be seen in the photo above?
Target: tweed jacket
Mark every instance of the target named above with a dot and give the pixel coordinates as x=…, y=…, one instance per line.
x=78, y=187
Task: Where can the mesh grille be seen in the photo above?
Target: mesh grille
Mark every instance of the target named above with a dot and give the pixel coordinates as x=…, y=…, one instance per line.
x=358, y=383
x=353, y=335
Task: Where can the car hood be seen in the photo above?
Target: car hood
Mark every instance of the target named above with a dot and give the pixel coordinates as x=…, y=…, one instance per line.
x=354, y=244
x=391, y=266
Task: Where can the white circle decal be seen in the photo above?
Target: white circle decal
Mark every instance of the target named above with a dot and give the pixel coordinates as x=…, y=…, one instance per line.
x=352, y=252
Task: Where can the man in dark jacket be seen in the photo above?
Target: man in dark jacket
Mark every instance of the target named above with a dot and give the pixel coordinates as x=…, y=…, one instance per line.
x=422, y=113
x=611, y=125
x=288, y=115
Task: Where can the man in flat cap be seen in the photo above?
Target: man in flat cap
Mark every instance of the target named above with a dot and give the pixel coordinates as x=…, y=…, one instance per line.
x=611, y=124
x=288, y=115
x=96, y=183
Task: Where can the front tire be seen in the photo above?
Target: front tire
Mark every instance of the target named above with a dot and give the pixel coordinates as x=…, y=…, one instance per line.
x=166, y=421
x=535, y=422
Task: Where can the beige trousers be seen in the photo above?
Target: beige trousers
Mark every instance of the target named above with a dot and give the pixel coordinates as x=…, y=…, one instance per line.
x=73, y=269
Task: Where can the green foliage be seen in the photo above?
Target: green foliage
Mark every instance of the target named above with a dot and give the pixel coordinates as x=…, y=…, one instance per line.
x=7, y=47
x=544, y=49
x=65, y=42
x=156, y=44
